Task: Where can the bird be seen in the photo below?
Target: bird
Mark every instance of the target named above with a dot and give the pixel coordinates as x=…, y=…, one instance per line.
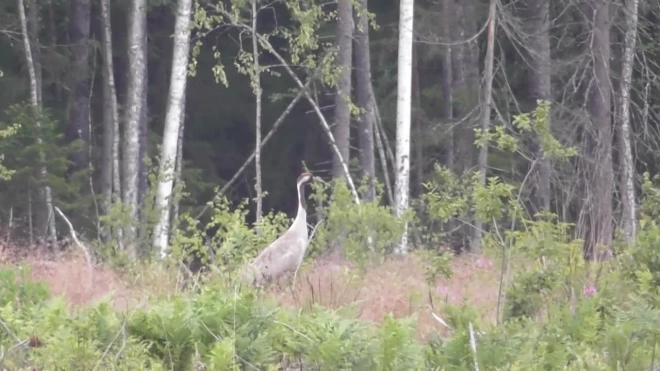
x=285, y=253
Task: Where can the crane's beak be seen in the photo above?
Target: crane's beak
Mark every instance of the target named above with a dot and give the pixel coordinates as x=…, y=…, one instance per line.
x=318, y=179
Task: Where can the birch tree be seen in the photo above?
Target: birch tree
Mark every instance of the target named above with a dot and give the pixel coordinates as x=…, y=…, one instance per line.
x=342, y=127
x=403, y=114
x=172, y=121
x=137, y=57
x=110, y=182
x=627, y=185
x=35, y=100
x=256, y=81
x=475, y=245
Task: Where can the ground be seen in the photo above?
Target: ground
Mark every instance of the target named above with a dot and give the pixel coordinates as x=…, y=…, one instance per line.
x=396, y=286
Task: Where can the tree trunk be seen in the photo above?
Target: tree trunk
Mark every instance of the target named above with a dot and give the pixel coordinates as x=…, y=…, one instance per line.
x=598, y=142
x=179, y=161
x=110, y=116
x=143, y=172
x=418, y=130
x=172, y=121
x=78, y=126
x=446, y=78
x=257, y=114
x=475, y=245
x=137, y=57
x=365, y=99
x=537, y=24
x=35, y=99
x=403, y=114
x=342, y=127
x=629, y=219
x=465, y=71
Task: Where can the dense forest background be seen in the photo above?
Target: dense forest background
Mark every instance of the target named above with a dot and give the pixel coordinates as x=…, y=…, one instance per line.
x=157, y=148
x=585, y=70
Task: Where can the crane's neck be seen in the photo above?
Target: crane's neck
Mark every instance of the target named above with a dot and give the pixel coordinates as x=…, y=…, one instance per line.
x=301, y=216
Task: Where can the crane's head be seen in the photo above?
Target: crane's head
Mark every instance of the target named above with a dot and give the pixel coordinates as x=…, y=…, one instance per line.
x=305, y=178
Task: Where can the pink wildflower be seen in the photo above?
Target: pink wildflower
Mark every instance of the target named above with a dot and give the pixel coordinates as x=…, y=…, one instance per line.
x=484, y=263
x=442, y=289
x=590, y=290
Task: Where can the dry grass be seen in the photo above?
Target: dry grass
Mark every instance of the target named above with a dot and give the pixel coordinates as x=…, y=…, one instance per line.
x=396, y=286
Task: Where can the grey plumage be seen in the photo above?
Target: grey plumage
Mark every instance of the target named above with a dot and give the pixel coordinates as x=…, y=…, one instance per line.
x=285, y=253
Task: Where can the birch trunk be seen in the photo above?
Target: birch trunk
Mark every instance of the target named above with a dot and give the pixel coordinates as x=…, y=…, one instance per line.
x=629, y=219
x=257, y=114
x=137, y=57
x=403, y=114
x=109, y=169
x=179, y=160
x=35, y=98
x=172, y=121
x=475, y=244
x=342, y=127
x=365, y=99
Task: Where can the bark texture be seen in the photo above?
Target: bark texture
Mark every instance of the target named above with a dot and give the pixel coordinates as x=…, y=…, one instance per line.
x=475, y=245
x=403, y=114
x=365, y=99
x=446, y=78
x=342, y=126
x=626, y=161
x=257, y=114
x=537, y=24
x=597, y=155
x=137, y=56
x=79, y=111
x=109, y=169
x=47, y=218
x=172, y=122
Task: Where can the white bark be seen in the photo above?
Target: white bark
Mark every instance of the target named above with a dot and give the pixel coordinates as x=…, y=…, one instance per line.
x=36, y=106
x=403, y=114
x=111, y=112
x=179, y=160
x=172, y=122
x=257, y=114
x=137, y=58
x=625, y=151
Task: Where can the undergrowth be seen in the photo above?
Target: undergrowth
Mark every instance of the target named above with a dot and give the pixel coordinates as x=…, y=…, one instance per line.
x=554, y=311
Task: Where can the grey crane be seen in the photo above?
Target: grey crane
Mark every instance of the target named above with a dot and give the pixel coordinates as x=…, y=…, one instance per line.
x=285, y=253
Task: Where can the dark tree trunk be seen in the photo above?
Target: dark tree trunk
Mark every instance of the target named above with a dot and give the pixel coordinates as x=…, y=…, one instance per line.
x=365, y=99
x=342, y=127
x=465, y=66
x=446, y=77
x=78, y=126
x=598, y=137
x=537, y=24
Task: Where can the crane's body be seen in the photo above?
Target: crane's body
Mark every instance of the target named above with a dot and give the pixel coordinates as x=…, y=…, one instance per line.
x=287, y=252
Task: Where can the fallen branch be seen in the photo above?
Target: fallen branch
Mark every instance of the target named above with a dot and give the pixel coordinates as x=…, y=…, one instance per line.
x=270, y=134
x=388, y=148
x=324, y=123
x=383, y=163
x=88, y=257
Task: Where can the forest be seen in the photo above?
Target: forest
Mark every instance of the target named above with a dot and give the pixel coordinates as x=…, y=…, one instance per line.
x=324, y=185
